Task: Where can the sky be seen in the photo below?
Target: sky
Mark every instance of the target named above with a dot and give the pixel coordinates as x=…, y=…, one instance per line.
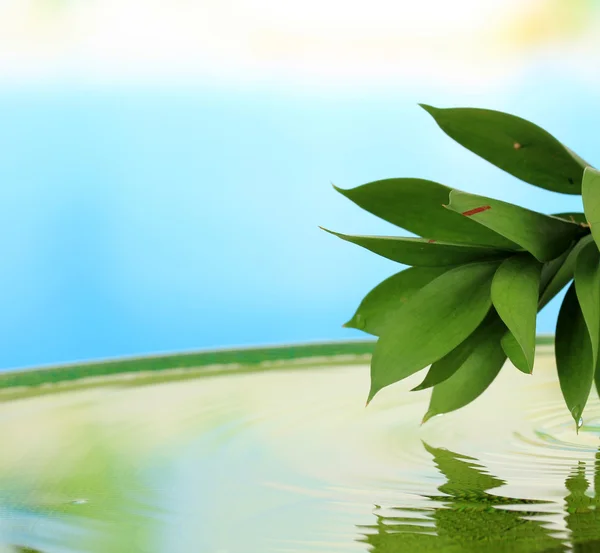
x=164, y=166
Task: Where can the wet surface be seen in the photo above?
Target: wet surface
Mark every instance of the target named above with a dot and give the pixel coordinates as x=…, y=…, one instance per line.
x=291, y=461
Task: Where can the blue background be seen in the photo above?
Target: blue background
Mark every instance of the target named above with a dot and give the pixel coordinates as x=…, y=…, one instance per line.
x=142, y=220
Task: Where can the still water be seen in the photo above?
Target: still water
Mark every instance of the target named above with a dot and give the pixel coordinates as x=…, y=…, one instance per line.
x=284, y=457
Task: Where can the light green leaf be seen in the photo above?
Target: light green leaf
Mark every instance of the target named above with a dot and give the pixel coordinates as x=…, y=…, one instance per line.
x=590, y=192
x=445, y=367
x=544, y=236
x=386, y=298
x=513, y=144
x=587, y=286
x=574, y=357
x=563, y=269
x=417, y=206
x=474, y=376
x=515, y=353
x=515, y=290
x=432, y=323
x=422, y=252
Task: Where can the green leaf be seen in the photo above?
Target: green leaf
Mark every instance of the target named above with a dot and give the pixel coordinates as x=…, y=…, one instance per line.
x=416, y=205
x=544, y=236
x=513, y=144
x=574, y=357
x=432, y=323
x=386, y=298
x=551, y=269
x=597, y=383
x=475, y=374
x=590, y=191
x=564, y=270
x=515, y=353
x=587, y=287
x=422, y=252
x=515, y=290
x=573, y=216
x=445, y=367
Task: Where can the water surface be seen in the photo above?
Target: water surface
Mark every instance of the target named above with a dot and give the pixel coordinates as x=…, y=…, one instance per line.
x=283, y=457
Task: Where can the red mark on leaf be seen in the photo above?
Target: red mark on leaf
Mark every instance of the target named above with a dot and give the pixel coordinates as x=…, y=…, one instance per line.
x=430, y=241
x=476, y=210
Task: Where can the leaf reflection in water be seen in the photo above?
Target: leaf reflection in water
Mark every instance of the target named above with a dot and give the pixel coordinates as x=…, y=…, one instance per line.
x=472, y=520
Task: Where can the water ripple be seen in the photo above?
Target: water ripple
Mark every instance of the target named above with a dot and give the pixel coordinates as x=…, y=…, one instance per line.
x=292, y=461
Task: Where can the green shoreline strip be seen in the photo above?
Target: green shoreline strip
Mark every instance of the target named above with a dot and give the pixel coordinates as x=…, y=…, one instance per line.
x=193, y=360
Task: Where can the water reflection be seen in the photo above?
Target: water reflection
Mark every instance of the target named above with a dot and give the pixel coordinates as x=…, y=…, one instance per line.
x=469, y=519
x=464, y=517
x=93, y=500
x=290, y=461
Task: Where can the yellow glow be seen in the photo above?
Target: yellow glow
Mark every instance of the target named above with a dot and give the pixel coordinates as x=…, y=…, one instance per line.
x=322, y=40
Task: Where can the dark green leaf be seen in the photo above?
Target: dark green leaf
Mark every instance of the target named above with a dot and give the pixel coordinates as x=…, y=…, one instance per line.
x=544, y=236
x=445, y=367
x=590, y=192
x=515, y=145
x=515, y=290
x=587, y=286
x=473, y=377
x=551, y=268
x=515, y=353
x=564, y=270
x=432, y=323
x=416, y=205
x=574, y=358
x=386, y=298
x=421, y=252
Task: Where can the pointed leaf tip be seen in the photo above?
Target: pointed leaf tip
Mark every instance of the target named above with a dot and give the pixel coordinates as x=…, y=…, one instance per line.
x=394, y=201
x=381, y=304
x=515, y=291
x=416, y=251
x=372, y=393
x=513, y=144
x=574, y=357
x=328, y=231
x=350, y=324
x=429, y=109
x=429, y=415
x=450, y=307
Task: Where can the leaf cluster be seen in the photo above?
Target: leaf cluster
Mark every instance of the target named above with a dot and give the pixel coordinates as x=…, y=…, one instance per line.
x=480, y=269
